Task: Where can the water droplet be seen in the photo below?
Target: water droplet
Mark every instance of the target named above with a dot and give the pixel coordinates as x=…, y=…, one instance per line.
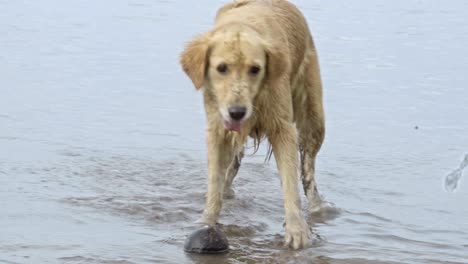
x=453, y=179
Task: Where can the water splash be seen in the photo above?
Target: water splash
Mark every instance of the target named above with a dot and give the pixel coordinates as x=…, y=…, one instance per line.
x=452, y=179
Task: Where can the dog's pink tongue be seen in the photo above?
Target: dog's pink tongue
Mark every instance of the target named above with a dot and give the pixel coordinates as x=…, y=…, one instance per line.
x=232, y=126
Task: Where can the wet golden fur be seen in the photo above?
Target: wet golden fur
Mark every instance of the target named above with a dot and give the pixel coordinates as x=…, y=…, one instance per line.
x=283, y=101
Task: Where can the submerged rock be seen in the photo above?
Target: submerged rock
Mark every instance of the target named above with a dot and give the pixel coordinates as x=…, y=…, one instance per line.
x=208, y=240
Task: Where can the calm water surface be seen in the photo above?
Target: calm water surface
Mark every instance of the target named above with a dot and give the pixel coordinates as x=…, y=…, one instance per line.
x=102, y=153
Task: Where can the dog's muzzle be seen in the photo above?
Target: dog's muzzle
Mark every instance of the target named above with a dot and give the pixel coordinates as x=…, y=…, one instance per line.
x=236, y=115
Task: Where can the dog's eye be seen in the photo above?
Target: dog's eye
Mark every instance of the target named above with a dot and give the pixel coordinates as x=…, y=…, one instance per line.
x=222, y=68
x=254, y=70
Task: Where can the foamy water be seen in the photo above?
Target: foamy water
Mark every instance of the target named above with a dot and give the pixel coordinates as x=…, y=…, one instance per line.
x=102, y=152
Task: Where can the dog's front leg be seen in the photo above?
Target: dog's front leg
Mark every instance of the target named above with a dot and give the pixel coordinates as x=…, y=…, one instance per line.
x=284, y=143
x=220, y=153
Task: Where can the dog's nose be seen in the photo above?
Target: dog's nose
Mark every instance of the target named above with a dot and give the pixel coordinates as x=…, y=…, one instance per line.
x=237, y=112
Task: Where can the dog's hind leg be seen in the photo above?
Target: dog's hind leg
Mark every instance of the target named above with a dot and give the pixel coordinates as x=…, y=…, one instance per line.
x=308, y=154
x=311, y=127
x=231, y=174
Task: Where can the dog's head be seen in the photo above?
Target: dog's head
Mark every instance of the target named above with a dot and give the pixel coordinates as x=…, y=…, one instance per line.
x=233, y=63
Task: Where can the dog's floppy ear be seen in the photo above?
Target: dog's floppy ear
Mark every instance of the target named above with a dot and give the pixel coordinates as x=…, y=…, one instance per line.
x=278, y=64
x=194, y=60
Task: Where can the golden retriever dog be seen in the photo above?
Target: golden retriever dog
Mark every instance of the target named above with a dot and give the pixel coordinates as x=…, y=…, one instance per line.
x=259, y=74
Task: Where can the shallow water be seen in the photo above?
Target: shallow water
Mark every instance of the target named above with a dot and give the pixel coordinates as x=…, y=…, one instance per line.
x=102, y=153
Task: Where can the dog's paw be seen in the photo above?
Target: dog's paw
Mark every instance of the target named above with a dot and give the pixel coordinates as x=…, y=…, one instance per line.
x=315, y=203
x=297, y=233
x=229, y=194
x=207, y=219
